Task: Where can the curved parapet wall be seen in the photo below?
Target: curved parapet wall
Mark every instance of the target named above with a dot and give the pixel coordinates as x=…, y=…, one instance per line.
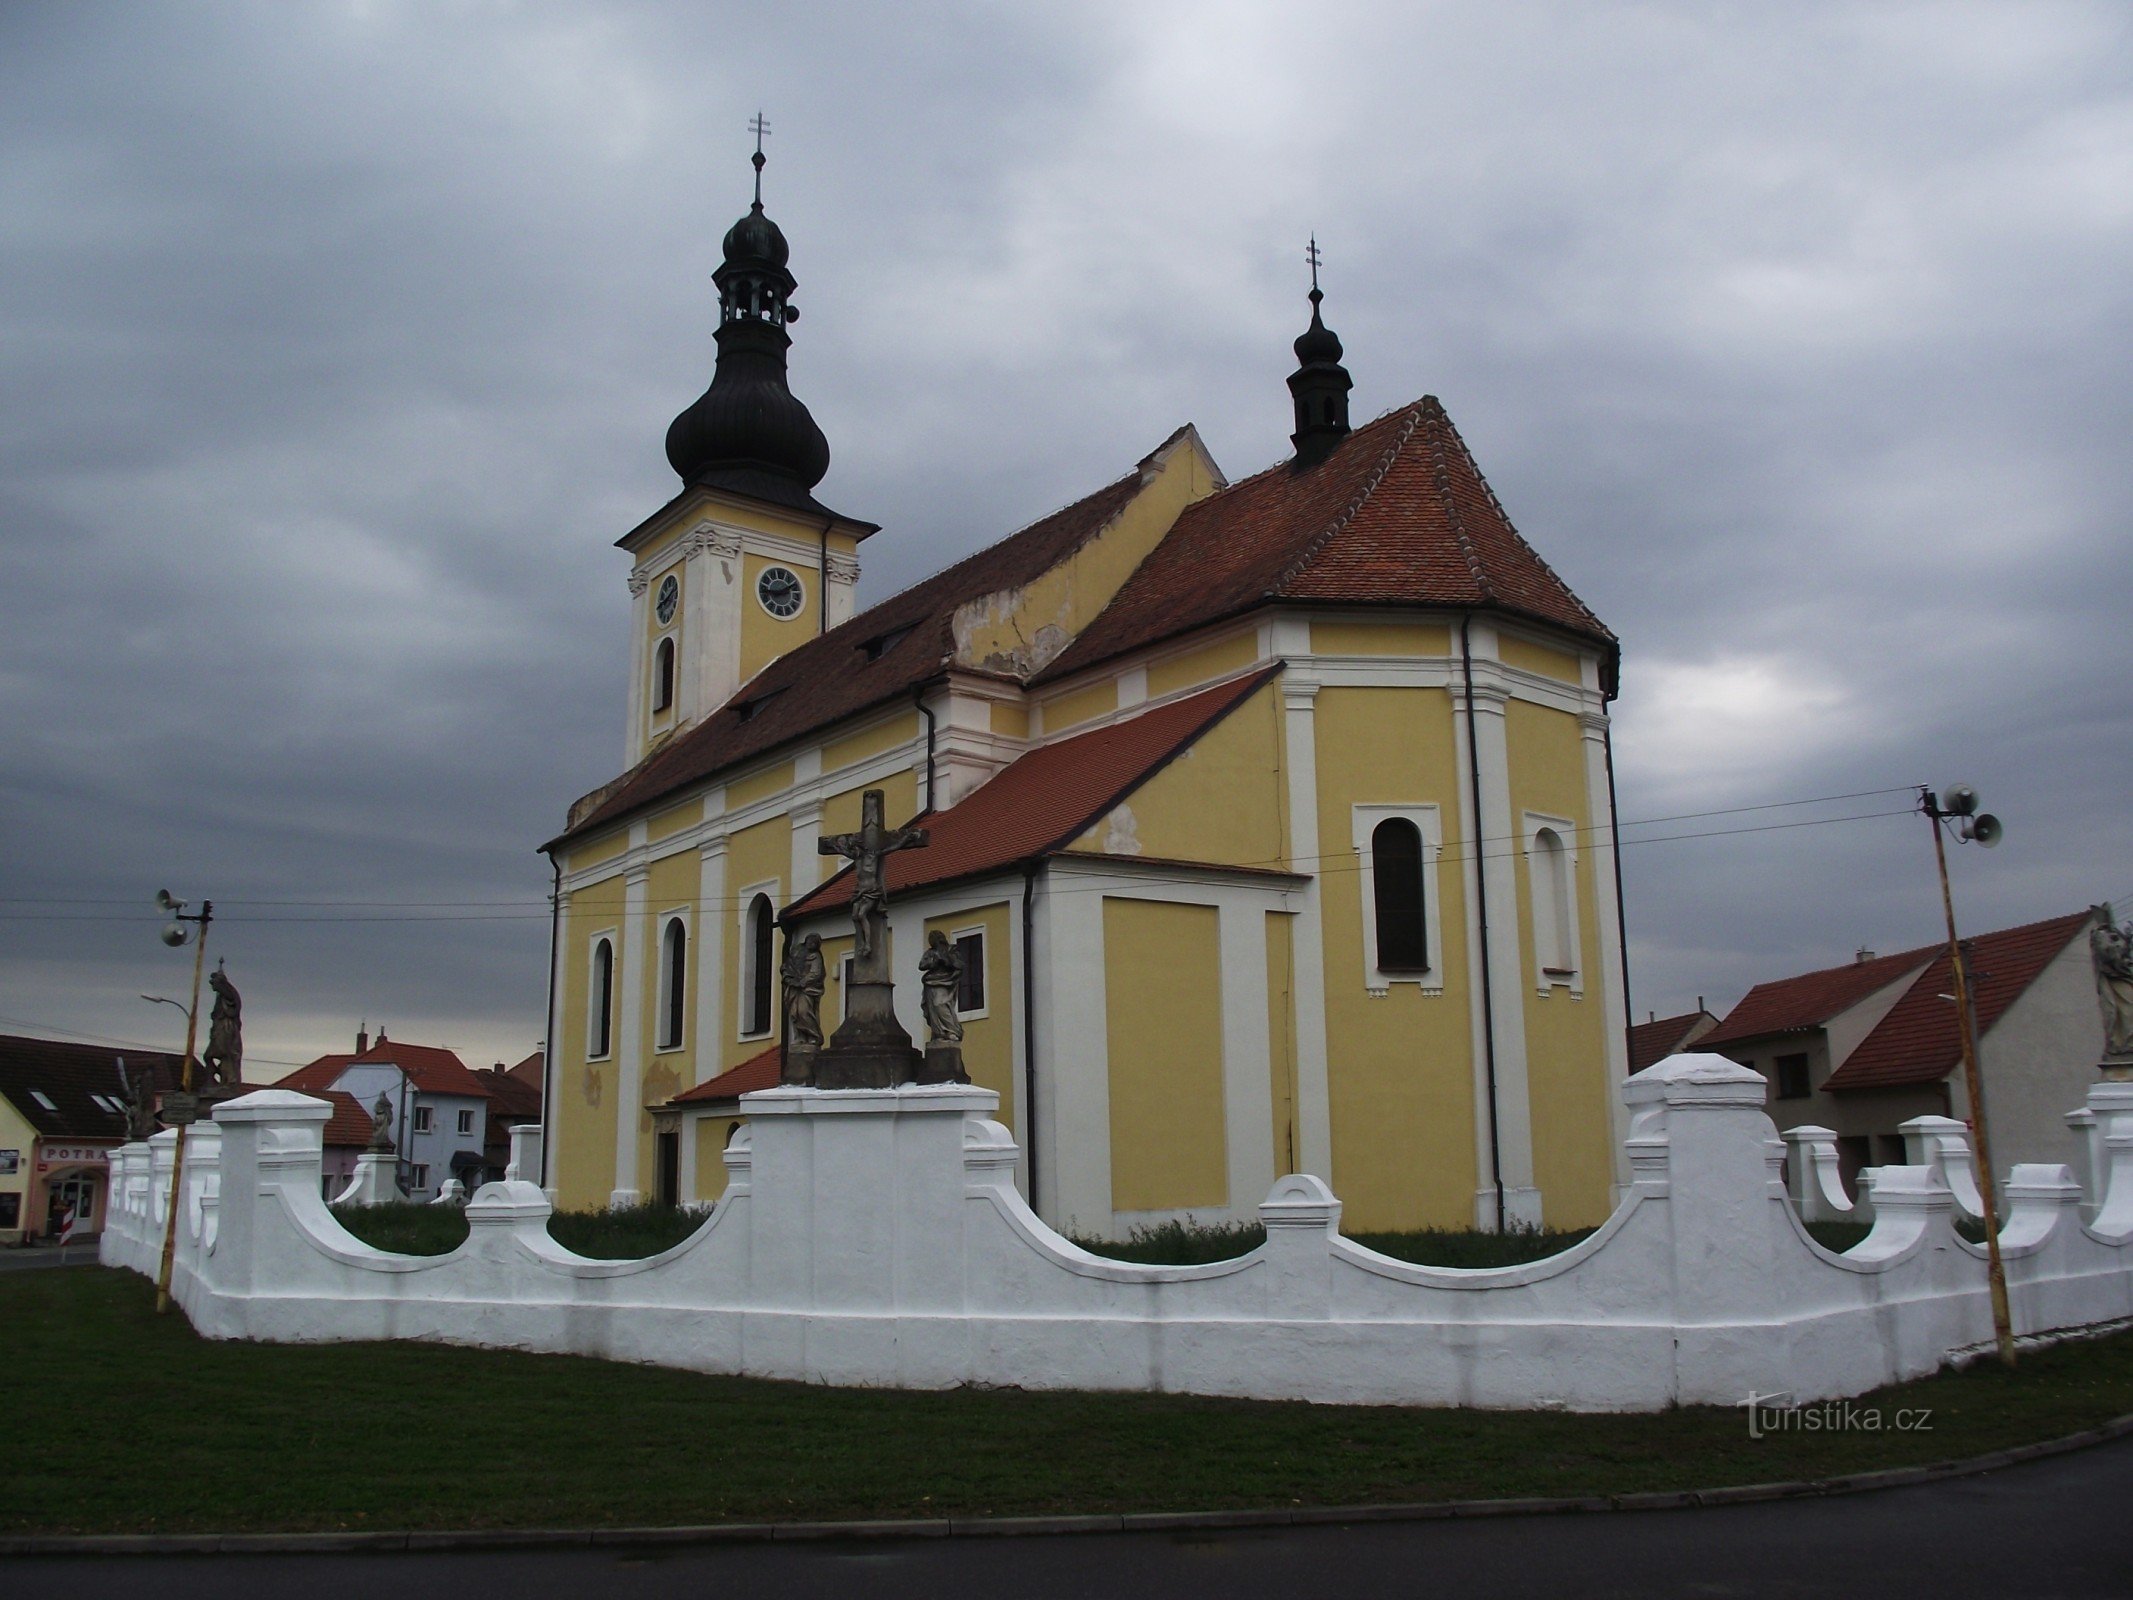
x=875, y=1237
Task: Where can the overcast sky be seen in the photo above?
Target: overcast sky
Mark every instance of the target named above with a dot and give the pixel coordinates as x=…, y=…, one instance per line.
x=338, y=344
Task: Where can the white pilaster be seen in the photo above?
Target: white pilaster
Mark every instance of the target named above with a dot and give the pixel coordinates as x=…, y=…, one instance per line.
x=1073, y=1061
x=712, y=637
x=1495, y=843
x=551, y=1055
x=842, y=577
x=629, y=1057
x=710, y=1015
x=1606, y=900
x=1314, y=1117
x=640, y=628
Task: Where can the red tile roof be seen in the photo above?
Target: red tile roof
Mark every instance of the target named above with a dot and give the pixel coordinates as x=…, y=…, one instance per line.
x=1791, y=1005
x=533, y=1071
x=68, y=1075
x=351, y=1124
x=1917, y=1042
x=1398, y=514
x=757, y=1072
x=511, y=1098
x=1654, y=1041
x=831, y=677
x=429, y=1067
x=1044, y=801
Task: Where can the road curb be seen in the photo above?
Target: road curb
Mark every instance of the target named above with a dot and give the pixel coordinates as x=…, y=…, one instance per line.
x=345, y=1543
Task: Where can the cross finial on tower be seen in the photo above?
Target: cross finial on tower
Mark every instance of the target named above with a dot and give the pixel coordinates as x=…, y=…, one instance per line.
x=1311, y=255
x=759, y=127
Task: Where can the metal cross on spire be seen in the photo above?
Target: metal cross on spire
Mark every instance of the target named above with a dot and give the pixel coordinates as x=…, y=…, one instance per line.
x=1311, y=255
x=759, y=127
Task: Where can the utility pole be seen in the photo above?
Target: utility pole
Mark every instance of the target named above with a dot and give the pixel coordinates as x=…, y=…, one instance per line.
x=176, y=934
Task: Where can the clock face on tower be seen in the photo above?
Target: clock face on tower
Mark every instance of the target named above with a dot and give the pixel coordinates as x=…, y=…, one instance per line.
x=779, y=591
x=669, y=598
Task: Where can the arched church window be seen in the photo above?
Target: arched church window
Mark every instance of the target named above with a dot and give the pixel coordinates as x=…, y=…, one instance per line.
x=663, y=676
x=600, y=1001
x=762, y=922
x=1396, y=874
x=673, y=982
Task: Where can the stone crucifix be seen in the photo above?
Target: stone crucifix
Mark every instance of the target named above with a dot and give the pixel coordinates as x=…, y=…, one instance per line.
x=868, y=850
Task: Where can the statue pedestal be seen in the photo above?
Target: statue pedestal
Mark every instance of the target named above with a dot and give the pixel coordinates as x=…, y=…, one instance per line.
x=943, y=1064
x=870, y=1050
x=2116, y=1069
x=797, y=1064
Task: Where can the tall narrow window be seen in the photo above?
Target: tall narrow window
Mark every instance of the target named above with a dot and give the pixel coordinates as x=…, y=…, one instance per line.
x=663, y=676
x=1550, y=865
x=1396, y=882
x=673, y=981
x=761, y=965
x=600, y=1002
x=970, y=990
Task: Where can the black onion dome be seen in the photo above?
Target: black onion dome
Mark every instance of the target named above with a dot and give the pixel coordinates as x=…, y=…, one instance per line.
x=1317, y=342
x=748, y=430
x=1319, y=389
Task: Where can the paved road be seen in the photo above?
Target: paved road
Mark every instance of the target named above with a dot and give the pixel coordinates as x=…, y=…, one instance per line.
x=28, y=1260
x=2061, y=1527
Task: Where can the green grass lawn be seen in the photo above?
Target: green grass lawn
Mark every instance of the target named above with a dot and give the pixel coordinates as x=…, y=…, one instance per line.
x=127, y=1422
x=1175, y=1244
x=631, y=1232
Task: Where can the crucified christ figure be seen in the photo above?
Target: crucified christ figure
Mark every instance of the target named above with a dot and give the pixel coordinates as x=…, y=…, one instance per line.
x=867, y=850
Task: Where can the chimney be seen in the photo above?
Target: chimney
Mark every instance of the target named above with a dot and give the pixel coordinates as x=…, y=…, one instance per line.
x=362, y=1041
x=1862, y=955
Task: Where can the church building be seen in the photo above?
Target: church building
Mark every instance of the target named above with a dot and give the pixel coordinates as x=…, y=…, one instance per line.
x=1272, y=818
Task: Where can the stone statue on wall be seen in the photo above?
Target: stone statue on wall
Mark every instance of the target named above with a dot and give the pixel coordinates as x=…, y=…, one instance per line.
x=224, y=1056
x=940, y=972
x=804, y=976
x=2111, y=949
x=140, y=1086
x=868, y=850
x=381, y=1128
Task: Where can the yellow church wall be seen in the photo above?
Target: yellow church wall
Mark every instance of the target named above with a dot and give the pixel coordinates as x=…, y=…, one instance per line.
x=840, y=811
x=998, y=630
x=754, y=855
x=592, y=853
x=1208, y=662
x=1163, y=1028
x=869, y=742
x=1080, y=705
x=583, y=1123
x=1566, y=1038
x=764, y=637
x=758, y=785
x=711, y=1174
x=672, y=885
x=1380, y=639
x=665, y=824
x=989, y=1041
x=1400, y=1067
x=1281, y=1034
x=1217, y=801
x=1514, y=651
x=1010, y=717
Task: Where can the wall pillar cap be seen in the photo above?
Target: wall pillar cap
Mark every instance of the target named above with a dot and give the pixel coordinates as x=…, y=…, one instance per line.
x=274, y=1105
x=2043, y=1180
x=1695, y=1079
x=1299, y=1201
x=509, y=1201
x=1933, y=1123
x=1919, y=1188
x=793, y=1100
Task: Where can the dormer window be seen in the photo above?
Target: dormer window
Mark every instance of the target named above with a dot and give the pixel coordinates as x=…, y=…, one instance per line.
x=747, y=709
x=881, y=644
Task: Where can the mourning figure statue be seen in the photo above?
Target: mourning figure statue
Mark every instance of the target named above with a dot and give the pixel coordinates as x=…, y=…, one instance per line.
x=224, y=1056
x=140, y=1085
x=2111, y=949
x=803, y=974
x=381, y=1128
x=940, y=972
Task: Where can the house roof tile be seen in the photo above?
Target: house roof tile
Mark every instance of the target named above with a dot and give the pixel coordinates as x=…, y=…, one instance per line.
x=1654, y=1041
x=1040, y=803
x=759, y=1071
x=430, y=1068
x=350, y=1125
x=1790, y=1005
x=69, y=1076
x=1918, y=1041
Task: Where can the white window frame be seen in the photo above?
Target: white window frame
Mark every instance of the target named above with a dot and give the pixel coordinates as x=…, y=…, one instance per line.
x=1428, y=821
x=418, y=1176
x=1539, y=900
x=956, y=936
x=743, y=965
x=613, y=937
x=466, y=1120
x=420, y=1120
x=662, y=1045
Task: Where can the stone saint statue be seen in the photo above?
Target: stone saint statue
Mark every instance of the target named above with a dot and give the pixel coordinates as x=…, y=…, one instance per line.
x=224, y=1056
x=867, y=850
x=804, y=975
x=140, y=1086
x=381, y=1128
x=940, y=971
x=2111, y=948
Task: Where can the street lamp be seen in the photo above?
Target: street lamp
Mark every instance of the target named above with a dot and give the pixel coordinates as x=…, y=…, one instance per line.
x=1955, y=811
x=180, y=1108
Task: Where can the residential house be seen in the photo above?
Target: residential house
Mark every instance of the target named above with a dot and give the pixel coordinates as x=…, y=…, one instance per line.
x=62, y=1109
x=1864, y=1047
x=1656, y=1038
x=514, y=1098
x=439, y=1107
